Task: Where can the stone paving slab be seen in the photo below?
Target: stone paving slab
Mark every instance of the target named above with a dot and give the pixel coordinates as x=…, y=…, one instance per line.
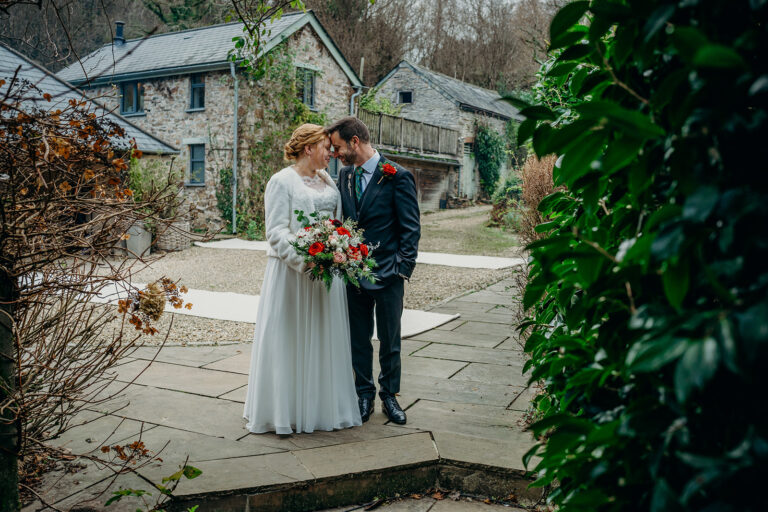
x=462, y=390
x=503, y=453
x=176, y=409
x=442, y=390
x=470, y=354
x=188, y=355
x=483, y=421
x=493, y=373
x=357, y=457
x=181, y=378
x=485, y=328
x=462, y=338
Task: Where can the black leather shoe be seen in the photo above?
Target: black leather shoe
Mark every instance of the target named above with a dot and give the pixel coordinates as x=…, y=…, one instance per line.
x=392, y=409
x=366, y=407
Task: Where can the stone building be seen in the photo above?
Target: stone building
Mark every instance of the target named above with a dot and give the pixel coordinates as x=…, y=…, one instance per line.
x=182, y=87
x=13, y=64
x=438, y=99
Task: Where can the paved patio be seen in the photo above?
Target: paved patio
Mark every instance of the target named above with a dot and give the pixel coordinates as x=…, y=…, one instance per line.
x=462, y=388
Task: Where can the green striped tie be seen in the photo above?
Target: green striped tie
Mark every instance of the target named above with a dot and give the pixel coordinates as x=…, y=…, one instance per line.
x=359, y=182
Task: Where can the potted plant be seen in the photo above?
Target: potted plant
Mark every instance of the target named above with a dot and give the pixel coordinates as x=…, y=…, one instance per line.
x=153, y=178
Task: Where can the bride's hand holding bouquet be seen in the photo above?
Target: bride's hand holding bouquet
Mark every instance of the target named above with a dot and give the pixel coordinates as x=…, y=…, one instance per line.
x=331, y=248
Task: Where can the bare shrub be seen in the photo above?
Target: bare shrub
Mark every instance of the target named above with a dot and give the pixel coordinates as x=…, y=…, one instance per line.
x=537, y=184
x=64, y=207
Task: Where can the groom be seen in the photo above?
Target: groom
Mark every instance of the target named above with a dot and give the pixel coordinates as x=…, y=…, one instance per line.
x=381, y=196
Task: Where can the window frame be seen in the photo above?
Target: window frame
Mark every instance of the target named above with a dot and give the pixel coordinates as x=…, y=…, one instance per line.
x=302, y=73
x=192, y=88
x=399, y=97
x=137, y=88
x=191, y=167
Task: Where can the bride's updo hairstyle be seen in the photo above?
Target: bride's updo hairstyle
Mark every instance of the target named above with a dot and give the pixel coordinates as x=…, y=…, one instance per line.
x=305, y=135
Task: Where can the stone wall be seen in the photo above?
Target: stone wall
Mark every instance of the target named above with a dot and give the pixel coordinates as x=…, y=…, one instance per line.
x=167, y=116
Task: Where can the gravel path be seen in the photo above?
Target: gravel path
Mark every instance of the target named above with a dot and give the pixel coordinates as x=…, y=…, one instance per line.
x=242, y=271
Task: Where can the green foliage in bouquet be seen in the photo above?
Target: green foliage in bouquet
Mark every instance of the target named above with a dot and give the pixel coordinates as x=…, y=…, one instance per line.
x=357, y=263
x=649, y=295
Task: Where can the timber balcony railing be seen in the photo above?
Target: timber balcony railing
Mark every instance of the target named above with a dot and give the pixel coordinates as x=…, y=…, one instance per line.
x=411, y=136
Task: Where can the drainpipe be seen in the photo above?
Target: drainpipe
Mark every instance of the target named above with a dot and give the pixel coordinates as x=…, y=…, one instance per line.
x=234, y=155
x=352, y=100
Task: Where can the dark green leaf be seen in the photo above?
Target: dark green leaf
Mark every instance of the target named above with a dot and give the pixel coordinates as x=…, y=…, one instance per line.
x=658, y=19
x=538, y=112
x=717, y=56
x=541, y=138
x=578, y=160
x=576, y=52
x=562, y=69
x=652, y=355
x=525, y=131
x=676, y=281
x=567, y=39
x=696, y=367
x=531, y=453
x=688, y=40
x=700, y=204
x=566, y=17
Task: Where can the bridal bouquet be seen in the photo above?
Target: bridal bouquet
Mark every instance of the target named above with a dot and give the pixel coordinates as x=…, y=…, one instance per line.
x=333, y=248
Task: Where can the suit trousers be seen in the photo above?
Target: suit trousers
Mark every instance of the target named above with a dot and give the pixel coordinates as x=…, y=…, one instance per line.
x=387, y=302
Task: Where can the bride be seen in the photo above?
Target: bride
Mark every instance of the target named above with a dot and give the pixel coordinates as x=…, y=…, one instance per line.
x=301, y=375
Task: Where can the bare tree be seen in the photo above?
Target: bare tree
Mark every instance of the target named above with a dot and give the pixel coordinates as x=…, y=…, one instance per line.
x=64, y=207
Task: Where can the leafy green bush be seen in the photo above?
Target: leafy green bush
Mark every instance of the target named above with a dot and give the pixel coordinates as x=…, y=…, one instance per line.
x=372, y=102
x=505, y=204
x=649, y=294
x=490, y=152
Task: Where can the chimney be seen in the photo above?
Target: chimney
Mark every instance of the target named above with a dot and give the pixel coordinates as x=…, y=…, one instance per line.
x=119, y=40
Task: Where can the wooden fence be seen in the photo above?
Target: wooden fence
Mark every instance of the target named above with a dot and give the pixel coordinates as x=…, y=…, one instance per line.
x=401, y=133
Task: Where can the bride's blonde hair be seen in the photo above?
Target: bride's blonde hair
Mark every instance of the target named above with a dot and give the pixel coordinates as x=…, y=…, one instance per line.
x=305, y=135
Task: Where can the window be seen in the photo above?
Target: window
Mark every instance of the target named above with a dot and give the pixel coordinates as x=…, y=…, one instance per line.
x=132, y=98
x=405, y=96
x=196, y=164
x=305, y=86
x=196, y=92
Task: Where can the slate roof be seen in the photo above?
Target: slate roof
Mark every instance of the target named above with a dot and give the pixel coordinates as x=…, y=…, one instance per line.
x=467, y=96
x=187, y=51
x=62, y=92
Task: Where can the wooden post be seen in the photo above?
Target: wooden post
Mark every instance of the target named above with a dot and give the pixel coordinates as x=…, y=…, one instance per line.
x=381, y=116
x=402, y=134
x=439, y=132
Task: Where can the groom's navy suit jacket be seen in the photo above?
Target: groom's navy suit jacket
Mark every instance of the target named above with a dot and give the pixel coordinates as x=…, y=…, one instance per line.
x=389, y=213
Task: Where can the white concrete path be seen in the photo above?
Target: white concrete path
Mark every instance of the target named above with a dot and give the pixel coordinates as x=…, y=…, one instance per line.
x=238, y=307
x=428, y=258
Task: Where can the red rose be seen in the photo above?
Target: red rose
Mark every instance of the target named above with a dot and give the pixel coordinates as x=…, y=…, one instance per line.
x=343, y=231
x=388, y=170
x=307, y=228
x=316, y=248
x=336, y=223
x=364, y=250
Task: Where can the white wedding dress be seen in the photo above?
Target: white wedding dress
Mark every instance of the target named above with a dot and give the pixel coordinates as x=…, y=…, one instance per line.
x=301, y=376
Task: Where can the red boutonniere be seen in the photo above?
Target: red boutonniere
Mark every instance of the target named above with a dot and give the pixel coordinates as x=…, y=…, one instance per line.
x=387, y=171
